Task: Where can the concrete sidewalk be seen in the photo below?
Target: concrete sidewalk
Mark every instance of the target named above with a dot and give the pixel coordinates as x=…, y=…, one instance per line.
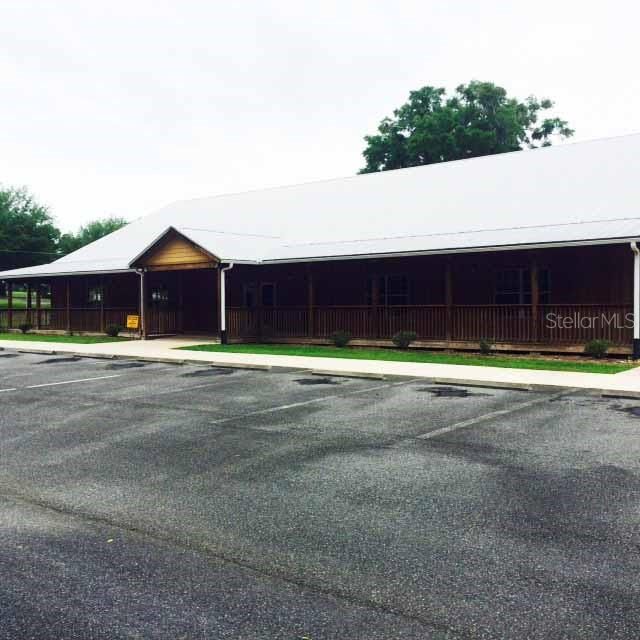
x=624, y=384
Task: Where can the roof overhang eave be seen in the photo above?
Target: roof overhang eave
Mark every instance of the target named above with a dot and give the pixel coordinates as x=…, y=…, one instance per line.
x=451, y=251
x=23, y=276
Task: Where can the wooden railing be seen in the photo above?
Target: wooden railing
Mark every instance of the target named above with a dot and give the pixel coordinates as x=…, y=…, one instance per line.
x=517, y=324
x=561, y=324
x=82, y=319
x=163, y=321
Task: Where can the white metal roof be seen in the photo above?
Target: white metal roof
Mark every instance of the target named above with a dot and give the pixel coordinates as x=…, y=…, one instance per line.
x=573, y=193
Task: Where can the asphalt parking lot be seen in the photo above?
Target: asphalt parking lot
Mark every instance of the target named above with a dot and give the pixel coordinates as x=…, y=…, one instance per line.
x=176, y=501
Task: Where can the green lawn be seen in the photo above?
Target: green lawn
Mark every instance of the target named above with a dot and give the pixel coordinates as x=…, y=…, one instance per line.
x=39, y=337
x=20, y=301
x=414, y=355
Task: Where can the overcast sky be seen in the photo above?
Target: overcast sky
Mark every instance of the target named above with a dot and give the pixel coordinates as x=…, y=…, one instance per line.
x=117, y=108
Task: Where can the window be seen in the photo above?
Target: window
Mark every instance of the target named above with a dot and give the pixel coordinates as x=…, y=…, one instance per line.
x=513, y=286
x=392, y=290
x=250, y=295
x=95, y=295
x=268, y=294
x=160, y=295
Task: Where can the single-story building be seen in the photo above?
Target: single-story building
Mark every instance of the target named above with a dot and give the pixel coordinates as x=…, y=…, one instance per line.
x=530, y=250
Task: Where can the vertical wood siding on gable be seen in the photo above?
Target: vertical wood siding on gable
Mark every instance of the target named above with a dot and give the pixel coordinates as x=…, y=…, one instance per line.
x=176, y=251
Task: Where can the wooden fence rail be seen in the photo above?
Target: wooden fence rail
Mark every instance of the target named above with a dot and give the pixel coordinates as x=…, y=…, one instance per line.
x=557, y=324
x=81, y=319
x=517, y=324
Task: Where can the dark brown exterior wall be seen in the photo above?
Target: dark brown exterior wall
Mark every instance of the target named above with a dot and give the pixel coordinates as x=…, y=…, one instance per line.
x=121, y=290
x=578, y=275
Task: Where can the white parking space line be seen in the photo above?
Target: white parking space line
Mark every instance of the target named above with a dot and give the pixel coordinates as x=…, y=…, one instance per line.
x=55, y=384
x=491, y=415
x=303, y=403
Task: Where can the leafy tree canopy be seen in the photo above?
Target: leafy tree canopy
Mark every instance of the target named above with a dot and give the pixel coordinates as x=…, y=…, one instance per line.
x=28, y=235
x=479, y=119
x=89, y=233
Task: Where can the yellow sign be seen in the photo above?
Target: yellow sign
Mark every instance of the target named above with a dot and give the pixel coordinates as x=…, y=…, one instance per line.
x=133, y=322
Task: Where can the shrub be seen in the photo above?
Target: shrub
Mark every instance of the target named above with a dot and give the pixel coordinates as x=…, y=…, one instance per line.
x=113, y=330
x=25, y=327
x=597, y=348
x=403, y=339
x=486, y=347
x=341, y=338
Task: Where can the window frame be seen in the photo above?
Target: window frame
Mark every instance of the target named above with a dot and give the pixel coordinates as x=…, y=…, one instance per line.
x=383, y=290
x=523, y=289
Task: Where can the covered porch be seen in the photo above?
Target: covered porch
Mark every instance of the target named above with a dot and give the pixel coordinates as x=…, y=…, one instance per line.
x=547, y=300
x=171, y=288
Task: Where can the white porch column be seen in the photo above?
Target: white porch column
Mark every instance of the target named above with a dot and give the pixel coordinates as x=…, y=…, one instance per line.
x=636, y=301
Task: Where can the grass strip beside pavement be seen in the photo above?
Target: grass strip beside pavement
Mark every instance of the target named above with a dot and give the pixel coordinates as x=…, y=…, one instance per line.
x=39, y=337
x=415, y=355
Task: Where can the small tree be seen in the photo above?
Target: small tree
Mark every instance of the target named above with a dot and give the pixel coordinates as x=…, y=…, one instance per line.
x=403, y=339
x=113, y=330
x=24, y=327
x=597, y=348
x=486, y=347
x=341, y=338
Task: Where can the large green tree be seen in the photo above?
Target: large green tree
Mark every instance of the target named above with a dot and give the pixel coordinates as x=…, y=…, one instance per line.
x=478, y=119
x=28, y=234
x=89, y=233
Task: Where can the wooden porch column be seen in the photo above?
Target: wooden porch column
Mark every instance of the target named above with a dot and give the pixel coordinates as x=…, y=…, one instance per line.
x=10, y=304
x=310, y=296
x=218, y=300
x=38, y=305
x=29, y=305
x=143, y=305
x=179, y=313
x=103, y=293
x=68, y=305
x=375, y=302
x=535, y=299
x=448, y=297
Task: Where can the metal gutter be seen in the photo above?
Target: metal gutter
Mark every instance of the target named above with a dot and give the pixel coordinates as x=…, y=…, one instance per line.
x=64, y=273
x=223, y=302
x=478, y=249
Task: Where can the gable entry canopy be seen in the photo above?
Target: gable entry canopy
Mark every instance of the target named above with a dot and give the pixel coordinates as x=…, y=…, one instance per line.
x=173, y=250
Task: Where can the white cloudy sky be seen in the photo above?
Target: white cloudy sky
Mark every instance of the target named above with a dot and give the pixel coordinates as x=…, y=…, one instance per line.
x=117, y=108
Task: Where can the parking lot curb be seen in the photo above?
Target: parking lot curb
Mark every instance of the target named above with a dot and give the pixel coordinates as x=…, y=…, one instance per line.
x=488, y=384
x=620, y=395
x=347, y=374
x=100, y=356
x=232, y=365
x=41, y=352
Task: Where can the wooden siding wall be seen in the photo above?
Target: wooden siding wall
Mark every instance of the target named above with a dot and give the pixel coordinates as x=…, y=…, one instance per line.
x=176, y=251
x=121, y=290
x=578, y=275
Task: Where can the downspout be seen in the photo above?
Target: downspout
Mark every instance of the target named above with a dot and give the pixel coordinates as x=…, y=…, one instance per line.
x=223, y=304
x=636, y=301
